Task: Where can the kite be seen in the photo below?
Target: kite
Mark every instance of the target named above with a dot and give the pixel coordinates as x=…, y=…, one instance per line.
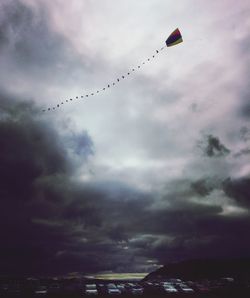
x=174, y=38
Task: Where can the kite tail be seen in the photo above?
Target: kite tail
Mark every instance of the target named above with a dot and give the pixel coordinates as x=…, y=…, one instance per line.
x=107, y=86
x=174, y=38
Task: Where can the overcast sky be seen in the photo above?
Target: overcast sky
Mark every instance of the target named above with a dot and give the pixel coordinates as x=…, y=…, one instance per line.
x=153, y=170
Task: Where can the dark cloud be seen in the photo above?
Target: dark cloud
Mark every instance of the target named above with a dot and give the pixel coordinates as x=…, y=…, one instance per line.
x=35, y=176
x=57, y=225
x=246, y=110
x=238, y=189
x=245, y=133
x=205, y=186
x=27, y=150
x=52, y=220
x=245, y=107
x=193, y=231
x=71, y=226
x=212, y=147
x=201, y=187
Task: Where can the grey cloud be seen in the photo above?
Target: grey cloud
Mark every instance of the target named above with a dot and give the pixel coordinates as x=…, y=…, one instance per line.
x=205, y=186
x=81, y=144
x=200, y=236
x=238, y=189
x=27, y=149
x=35, y=180
x=28, y=37
x=242, y=152
x=245, y=133
x=245, y=109
x=201, y=187
x=68, y=223
x=243, y=48
x=212, y=147
x=31, y=50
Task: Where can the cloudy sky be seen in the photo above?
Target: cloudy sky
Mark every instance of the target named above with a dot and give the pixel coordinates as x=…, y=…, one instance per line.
x=151, y=171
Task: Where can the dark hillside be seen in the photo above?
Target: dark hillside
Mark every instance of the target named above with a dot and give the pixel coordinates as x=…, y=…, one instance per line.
x=199, y=269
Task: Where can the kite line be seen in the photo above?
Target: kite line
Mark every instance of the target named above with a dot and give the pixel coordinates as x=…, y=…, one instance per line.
x=173, y=39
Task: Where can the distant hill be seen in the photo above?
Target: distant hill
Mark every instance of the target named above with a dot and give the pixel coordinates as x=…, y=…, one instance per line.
x=200, y=269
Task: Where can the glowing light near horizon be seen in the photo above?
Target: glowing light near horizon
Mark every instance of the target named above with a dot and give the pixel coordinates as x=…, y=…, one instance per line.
x=120, y=276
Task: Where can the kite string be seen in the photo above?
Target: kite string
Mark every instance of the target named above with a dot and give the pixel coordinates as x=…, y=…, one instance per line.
x=109, y=85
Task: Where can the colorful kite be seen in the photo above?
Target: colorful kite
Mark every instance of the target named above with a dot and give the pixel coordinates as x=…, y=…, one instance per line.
x=173, y=39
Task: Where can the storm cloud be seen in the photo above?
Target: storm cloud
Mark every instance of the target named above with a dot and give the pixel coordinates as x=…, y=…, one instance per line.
x=214, y=148
x=238, y=189
x=117, y=182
